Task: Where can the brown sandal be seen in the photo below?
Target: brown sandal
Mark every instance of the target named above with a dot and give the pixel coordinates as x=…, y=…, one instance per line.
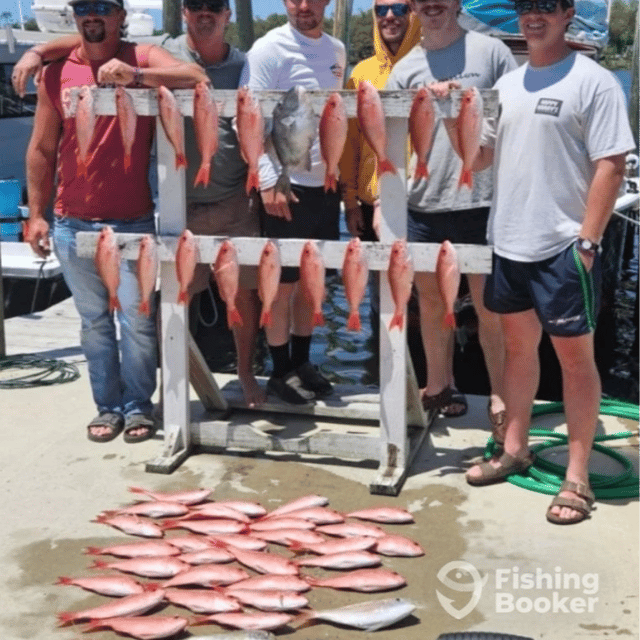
x=507, y=465
x=498, y=427
x=583, y=503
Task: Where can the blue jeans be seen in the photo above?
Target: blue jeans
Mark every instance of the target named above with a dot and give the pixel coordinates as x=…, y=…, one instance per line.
x=119, y=384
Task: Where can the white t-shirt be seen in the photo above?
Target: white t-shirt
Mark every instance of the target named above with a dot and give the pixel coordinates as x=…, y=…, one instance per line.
x=282, y=59
x=555, y=122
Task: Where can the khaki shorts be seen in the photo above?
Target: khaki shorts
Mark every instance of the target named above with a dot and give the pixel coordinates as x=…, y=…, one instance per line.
x=231, y=217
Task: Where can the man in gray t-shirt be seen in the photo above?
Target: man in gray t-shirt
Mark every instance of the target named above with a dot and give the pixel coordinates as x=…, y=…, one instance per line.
x=558, y=152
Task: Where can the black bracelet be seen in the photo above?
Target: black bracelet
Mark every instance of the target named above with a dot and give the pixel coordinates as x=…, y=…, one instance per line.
x=137, y=76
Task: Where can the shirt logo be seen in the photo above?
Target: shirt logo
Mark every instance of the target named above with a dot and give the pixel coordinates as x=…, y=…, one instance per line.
x=337, y=70
x=548, y=107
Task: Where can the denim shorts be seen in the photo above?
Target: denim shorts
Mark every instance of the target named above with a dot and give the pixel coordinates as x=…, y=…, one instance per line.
x=565, y=296
x=465, y=226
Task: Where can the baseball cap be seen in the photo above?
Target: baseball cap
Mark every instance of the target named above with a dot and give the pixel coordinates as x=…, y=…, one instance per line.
x=117, y=3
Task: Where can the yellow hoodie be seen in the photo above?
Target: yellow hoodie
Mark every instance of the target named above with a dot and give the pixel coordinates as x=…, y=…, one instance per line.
x=358, y=177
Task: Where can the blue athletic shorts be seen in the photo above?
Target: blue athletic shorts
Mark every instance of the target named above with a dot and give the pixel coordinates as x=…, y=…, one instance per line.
x=465, y=226
x=315, y=216
x=565, y=296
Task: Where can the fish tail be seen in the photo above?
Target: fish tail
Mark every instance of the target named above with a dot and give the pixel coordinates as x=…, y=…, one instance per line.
x=170, y=524
x=93, y=551
x=318, y=319
x=183, y=297
x=100, y=519
x=466, y=177
x=199, y=620
x=137, y=490
x=450, y=320
x=127, y=162
x=144, y=308
x=386, y=166
x=203, y=175
x=297, y=547
x=64, y=580
x=421, y=171
x=234, y=319
x=253, y=181
x=265, y=319
x=397, y=320
x=151, y=586
x=353, y=324
x=98, y=564
x=303, y=619
x=330, y=182
x=114, y=304
x=65, y=618
x=181, y=161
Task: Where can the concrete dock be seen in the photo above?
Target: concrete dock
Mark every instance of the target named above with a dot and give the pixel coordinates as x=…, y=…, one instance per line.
x=531, y=578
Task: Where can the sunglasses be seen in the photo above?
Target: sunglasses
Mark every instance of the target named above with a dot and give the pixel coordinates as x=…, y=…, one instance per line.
x=215, y=6
x=98, y=8
x=398, y=9
x=526, y=6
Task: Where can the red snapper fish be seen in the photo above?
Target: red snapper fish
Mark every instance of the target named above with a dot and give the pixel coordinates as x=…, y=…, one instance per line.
x=146, y=549
x=142, y=627
x=127, y=120
x=147, y=271
x=202, y=600
x=355, y=273
x=388, y=515
x=346, y=560
x=161, y=567
x=422, y=125
x=372, y=124
x=468, y=130
x=304, y=502
x=400, y=280
x=366, y=580
x=266, y=563
x=208, y=575
x=107, y=263
x=448, y=278
x=226, y=271
x=333, y=135
x=186, y=260
x=393, y=545
x=268, y=280
x=262, y=620
x=250, y=124
x=113, y=586
x=85, y=127
x=132, y=525
x=171, y=120
x=268, y=599
x=188, y=497
x=205, y=123
x=312, y=273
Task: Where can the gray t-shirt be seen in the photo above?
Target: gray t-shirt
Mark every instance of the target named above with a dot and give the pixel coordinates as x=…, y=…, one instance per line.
x=228, y=169
x=474, y=60
x=555, y=122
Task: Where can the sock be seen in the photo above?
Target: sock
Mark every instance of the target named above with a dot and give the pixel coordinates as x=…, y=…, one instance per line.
x=281, y=360
x=300, y=347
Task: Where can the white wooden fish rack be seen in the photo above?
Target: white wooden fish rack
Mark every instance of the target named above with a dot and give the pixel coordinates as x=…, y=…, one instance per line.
x=398, y=424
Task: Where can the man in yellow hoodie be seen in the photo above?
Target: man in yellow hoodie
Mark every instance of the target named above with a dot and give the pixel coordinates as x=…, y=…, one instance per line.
x=395, y=32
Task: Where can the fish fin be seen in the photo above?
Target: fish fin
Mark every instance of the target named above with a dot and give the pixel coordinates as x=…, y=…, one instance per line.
x=386, y=166
x=183, y=297
x=297, y=547
x=144, y=308
x=65, y=618
x=396, y=321
x=330, y=182
x=234, y=319
x=199, y=620
x=253, y=182
x=138, y=490
x=466, y=177
x=98, y=564
x=421, y=171
x=303, y=619
x=265, y=319
x=181, y=161
x=450, y=320
x=318, y=319
x=353, y=323
x=99, y=519
x=127, y=163
x=151, y=586
x=203, y=175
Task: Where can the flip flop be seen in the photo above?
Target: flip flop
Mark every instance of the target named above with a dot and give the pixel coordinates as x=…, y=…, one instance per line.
x=583, y=503
x=457, y=398
x=139, y=421
x=107, y=420
x=498, y=427
x=507, y=465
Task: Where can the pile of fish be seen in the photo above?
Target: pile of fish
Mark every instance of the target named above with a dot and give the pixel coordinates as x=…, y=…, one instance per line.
x=211, y=558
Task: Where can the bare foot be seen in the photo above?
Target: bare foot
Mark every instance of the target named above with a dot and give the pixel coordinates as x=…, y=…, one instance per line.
x=254, y=394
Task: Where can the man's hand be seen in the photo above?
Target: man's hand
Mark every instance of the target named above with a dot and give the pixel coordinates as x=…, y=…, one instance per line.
x=276, y=204
x=443, y=89
x=116, y=72
x=37, y=235
x=29, y=65
x=355, y=221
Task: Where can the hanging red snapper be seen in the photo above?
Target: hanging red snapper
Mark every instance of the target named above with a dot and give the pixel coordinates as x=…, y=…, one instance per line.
x=171, y=120
x=85, y=127
x=400, y=280
x=312, y=274
x=250, y=123
x=107, y=261
x=372, y=123
x=205, y=123
x=448, y=278
x=355, y=273
x=468, y=130
x=186, y=260
x=147, y=272
x=127, y=120
x=422, y=125
x=333, y=135
x=268, y=280
x=226, y=271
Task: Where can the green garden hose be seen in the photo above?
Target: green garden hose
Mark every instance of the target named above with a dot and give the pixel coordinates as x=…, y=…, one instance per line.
x=546, y=477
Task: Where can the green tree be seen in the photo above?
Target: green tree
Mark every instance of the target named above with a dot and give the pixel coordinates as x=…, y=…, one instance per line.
x=361, y=37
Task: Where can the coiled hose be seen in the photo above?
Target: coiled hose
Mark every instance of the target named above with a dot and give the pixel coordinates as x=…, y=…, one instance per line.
x=546, y=477
x=41, y=372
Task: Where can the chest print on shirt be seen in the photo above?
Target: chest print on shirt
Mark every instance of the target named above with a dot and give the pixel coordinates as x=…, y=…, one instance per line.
x=548, y=107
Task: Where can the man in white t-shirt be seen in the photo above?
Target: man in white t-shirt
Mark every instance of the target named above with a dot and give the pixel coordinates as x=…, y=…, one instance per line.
x=558, y=153
x=298, y=53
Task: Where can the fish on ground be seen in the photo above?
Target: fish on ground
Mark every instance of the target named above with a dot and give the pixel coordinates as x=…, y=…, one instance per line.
x=155, y=509
x=114, y=586
x=293, y=133
x=147, y=272
x=372, y=124
x=355, y=274
x=352, y=529
x=311, y=500
x=161, y=567
x=342, y=561
x=250, y=127
x=171, y=120
x=146, y=549
x=263, y=620
x=85, y=127
x=468, y=131
x=202, y=600
x=251, y=509
x=217, y=510
x=399, y=546
x=333, y=135
x=242, y=541
x=388, y=515
x=266, y=563
x=188, y=497
x=132, y=525
x=142, y=627
x=208, y=575
x=226, y=272
x=318, y=515
x=274, y=582
x=448, y=278
x=368, y=616
x=127, y=121
x=186, y=260
x=339, y=545
x=284, y=522
x=365, y=580
x=422, y=126
x=400, y=280
x=212, y=555
x=269, y=599
x=268, y=281
x=285, y=537
x=208, y=527
x=107, y=261
x=312, y=279
x=205, y=124
x=251, y=634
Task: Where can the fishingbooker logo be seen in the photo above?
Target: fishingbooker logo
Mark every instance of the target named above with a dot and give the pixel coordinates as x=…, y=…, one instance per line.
x=534, y=592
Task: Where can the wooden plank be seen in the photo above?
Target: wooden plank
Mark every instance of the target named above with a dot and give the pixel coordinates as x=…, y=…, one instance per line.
x=472, y=258
x=395, y=103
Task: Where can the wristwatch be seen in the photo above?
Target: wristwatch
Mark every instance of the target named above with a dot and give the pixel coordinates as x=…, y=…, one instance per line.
x=587, y=246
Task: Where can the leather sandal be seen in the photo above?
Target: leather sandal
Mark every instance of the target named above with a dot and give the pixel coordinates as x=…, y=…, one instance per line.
x=498, y=428
x=507, y=466
x=583, y=503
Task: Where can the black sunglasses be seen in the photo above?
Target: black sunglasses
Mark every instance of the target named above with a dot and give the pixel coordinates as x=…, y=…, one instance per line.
x=398, y=9
x=215, y=6
x=98, y=8
x=526, y=6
